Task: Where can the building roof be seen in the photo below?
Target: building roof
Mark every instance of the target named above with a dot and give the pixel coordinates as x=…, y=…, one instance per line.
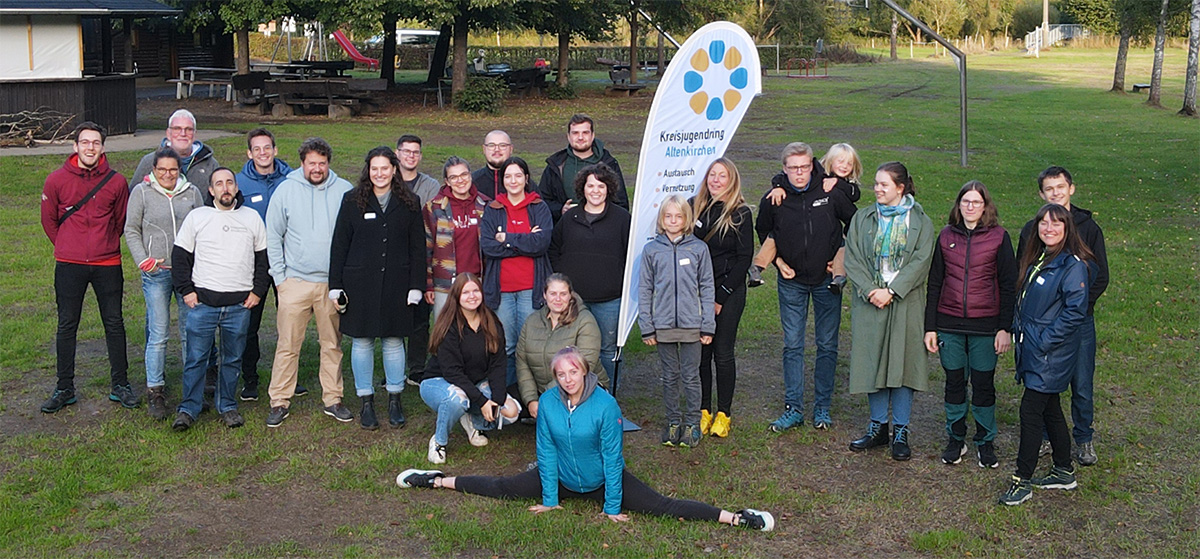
x=87, y=8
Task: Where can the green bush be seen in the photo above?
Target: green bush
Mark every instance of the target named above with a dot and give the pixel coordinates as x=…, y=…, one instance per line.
x=558, y=93
x=481, y=95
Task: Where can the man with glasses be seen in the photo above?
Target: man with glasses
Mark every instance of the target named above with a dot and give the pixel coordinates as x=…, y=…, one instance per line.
x=408, y=150
x=808, y=226
x=197, y=160
x=582, y=149
x=83, y=214
x=489, y=179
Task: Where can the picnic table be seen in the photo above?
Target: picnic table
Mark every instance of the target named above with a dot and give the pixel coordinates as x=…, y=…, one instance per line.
x=342, y=97
x=191, y=76
x=302, y=69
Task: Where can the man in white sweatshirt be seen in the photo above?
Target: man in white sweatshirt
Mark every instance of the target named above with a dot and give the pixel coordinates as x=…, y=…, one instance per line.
x=220, y=270
x=300, y=220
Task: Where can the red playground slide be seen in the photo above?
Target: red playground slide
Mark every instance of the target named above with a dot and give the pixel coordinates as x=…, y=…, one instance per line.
x=344, y=42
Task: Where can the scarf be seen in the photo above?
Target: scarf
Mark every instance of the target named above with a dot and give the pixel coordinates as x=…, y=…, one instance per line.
x=891, y=235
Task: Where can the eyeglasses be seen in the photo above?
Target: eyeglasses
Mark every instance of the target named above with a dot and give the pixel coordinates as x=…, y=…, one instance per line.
x=798, y=168
x=457, y=178
x=410, y=152
x=90, y=143
x=495, y=146
x=971, y=203
x=167, y=171
x=182, y=130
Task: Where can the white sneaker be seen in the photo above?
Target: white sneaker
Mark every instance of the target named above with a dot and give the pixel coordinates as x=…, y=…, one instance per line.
x=473, y=435
x=437, y=452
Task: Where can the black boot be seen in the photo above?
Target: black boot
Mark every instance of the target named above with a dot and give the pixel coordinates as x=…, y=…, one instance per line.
x=900, y=449
x=877, y=435
x=367, y=416
x=395, y=411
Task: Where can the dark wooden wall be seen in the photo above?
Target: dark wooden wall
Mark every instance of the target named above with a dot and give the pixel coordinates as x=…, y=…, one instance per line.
x=108, y=100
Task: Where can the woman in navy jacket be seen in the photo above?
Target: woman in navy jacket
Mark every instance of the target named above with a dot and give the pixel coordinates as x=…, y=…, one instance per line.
x=1051, y=304
x=580, y=455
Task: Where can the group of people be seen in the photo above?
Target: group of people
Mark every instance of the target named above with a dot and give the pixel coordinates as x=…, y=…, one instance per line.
x=523, y=283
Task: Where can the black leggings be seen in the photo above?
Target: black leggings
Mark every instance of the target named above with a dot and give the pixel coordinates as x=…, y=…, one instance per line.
x=636, y=496
x=721, y=350
x=1041, y=412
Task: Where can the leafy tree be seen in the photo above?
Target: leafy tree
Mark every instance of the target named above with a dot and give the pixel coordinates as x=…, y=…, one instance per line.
x=1167, y=10
x=1136, y=18
x=1099, y=16
x=1189, y=86
x=1028, y=16
x=590, y=20
x=944, y=16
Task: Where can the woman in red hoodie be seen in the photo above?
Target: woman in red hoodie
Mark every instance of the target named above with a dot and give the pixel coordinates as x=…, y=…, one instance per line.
x=515, y=236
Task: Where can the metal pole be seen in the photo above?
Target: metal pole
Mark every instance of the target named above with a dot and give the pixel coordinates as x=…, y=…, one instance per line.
x=960, y=59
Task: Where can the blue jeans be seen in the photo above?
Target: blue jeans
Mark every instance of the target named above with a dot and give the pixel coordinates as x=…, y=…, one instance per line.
x=514, y=307
x=362, y=362
x=827, y=318
x=157, y=290
x=202, y=324
x=607, y=315
x=1082, y=404
x=901, y=400
x=451, y=403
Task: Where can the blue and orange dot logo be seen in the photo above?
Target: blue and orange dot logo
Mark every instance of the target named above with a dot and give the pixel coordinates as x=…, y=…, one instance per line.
x=715, y=58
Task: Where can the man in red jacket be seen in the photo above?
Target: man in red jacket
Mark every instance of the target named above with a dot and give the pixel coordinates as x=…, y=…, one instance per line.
x=83, y=214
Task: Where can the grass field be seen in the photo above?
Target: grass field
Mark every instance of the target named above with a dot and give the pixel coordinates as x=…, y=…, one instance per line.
x=99, y=481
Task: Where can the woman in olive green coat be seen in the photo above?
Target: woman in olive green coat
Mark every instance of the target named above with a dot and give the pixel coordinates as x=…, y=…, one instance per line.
x=563, y=321
x=889, y=249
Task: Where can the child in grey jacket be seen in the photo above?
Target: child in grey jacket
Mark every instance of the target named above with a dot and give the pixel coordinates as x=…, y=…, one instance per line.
x=676, y=313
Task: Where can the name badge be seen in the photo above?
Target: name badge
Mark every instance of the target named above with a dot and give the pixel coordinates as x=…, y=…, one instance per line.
x=1041, y=280
x=369, y=215
x=685, y=261
x=256, y=198
x=474, y=221
x=699, y=223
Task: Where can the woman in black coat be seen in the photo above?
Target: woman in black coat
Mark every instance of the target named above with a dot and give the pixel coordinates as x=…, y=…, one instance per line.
x=377, y=276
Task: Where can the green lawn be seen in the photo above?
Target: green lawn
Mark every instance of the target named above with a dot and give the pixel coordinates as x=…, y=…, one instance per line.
x=96, y=480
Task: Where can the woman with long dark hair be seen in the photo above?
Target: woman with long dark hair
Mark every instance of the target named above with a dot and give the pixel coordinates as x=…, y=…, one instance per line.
x=726, y=224
x=377, y=275
x=1052, y=302
x=888, y=252
x=968, y=316
x=465, y=379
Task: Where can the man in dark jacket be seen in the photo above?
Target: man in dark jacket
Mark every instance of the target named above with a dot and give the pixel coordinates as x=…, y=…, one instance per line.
x=83, y=214
x=808, y=226
x=489, y=179
x=197, y=159
x=582, y=149
x=256, y=182
x=1056, y=187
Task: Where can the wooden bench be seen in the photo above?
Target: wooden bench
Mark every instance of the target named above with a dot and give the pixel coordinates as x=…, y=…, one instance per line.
x=1138, y=87
x=341, y=98
x=191, y=76
x=620, y=83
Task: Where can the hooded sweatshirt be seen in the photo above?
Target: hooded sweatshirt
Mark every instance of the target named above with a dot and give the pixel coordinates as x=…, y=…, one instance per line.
x=581, y=446
x=154, y=217
x=300, y=222
x=92, y=235
x=257, y=188
x=497, y=217
x=196, y=167
x=558, y=180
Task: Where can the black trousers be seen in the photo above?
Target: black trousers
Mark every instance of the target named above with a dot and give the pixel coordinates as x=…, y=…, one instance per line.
x=1041, y=412
x=70, y=285
x=418, y=341
x=722, y=351
x=252, y=353
x=636, y=496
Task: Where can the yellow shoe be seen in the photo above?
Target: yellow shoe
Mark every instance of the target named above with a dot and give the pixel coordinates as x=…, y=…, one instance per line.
x=706, y=421
x=720, y=425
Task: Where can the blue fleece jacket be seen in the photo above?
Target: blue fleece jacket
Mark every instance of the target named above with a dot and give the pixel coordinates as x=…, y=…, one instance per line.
x=300, y=220
x=581, y=449
x=257, y=188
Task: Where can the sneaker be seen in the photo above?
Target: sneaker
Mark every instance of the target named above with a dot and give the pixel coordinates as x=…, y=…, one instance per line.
x=473, y=435
x=123, y=393
x=1056, y=478
x=249, y=393
x=1046, y=449
x=755, y=278
x=276, y=416
x=59, y=400
x=671, y=434
x=437, y=452
x=755, y=520
x=791, y=418
x=821, y=419
x=156, y=402
x=955, y=450
x=876, y=436
x=900, y=449
x=1085, y=453
x=836, y=284
x=691, y=437
x=183, y=422
x=413, y=477
x=339, y=412
x=706, y=421
x=1019, y=492
x=987, y=455
x=233, y=419
x=300, y=390
x=720, y=426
